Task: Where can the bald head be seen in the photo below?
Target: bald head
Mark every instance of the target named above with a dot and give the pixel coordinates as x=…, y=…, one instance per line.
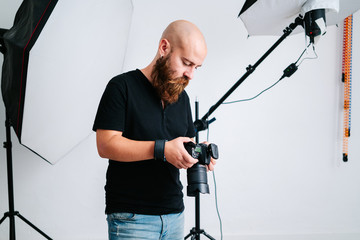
x=184, y=48
x=181, y=33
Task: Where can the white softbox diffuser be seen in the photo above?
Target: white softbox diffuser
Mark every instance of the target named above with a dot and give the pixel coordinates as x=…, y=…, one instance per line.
x=271, y=17
x=80, y=48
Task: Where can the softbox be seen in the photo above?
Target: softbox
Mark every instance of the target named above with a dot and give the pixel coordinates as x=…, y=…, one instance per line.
x=18, y=41
x=270, y=17
x=53, y=74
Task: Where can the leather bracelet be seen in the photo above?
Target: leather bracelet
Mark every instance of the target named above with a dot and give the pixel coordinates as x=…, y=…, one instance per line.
x=159, y=150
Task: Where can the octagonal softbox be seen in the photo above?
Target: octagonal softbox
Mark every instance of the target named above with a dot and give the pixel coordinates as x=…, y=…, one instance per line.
x=58, y=57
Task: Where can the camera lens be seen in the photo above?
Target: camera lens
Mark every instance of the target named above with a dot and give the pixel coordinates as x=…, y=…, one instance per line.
x=197, y=180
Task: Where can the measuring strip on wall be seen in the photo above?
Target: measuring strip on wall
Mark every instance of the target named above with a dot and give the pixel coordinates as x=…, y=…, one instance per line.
x=346, y=78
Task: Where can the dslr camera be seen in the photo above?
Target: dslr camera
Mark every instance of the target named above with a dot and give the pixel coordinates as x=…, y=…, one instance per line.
x=202, y=152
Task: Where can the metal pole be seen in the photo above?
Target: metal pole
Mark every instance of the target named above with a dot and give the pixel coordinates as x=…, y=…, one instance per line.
x=8, y=146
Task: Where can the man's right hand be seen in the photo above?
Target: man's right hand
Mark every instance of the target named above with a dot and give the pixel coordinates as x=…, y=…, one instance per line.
x=176, y=154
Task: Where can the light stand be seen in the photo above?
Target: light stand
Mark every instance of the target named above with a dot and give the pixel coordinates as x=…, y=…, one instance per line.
x=29, y=21
x=203, y=123
x=12, y=213
x=195, y=189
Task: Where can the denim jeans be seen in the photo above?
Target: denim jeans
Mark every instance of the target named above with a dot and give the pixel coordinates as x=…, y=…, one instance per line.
x=151, y=227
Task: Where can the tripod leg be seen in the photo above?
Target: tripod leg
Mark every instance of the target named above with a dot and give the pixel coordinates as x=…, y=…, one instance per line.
x=4, y=217
x=33, y=226
x=11, y=226
x=187, y=236
x=208, y=236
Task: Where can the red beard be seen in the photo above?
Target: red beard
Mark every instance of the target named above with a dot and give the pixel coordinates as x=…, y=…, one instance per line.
x=168, y=88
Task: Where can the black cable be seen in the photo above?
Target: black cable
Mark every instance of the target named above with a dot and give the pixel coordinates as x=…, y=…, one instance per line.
x=248, y=99
x=215, y=188
x=290, y=70
x=217, y=207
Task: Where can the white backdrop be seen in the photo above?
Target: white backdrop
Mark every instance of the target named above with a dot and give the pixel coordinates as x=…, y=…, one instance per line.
x=280, y=174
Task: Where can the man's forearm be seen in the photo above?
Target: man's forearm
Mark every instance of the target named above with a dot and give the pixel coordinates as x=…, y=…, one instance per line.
x=112, y=145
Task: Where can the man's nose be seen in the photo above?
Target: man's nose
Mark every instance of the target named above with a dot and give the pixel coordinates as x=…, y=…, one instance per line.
x=189, y=73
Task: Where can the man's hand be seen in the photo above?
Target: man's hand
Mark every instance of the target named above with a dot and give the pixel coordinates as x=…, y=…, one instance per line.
x=176, y=154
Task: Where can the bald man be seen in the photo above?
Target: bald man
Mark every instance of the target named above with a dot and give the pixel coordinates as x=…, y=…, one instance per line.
x=142, y=123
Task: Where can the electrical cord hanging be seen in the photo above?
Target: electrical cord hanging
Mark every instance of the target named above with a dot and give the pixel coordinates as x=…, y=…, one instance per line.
x=290, y=70
x=215, y=189
x=217, y=206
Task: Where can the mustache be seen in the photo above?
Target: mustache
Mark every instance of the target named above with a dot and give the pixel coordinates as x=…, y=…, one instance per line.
x=173, y=88
x=180, y=81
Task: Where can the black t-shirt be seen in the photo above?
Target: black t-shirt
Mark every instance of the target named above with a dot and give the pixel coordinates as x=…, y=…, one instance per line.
x=130, y=104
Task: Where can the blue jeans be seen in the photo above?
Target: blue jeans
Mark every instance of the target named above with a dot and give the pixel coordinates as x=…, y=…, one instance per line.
x=152, y=227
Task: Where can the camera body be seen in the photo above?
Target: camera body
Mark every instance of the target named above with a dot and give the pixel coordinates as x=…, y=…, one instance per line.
x=202, y=152
x=197, y=174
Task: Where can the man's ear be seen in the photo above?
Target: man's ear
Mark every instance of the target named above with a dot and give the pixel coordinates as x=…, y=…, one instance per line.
x=164, y=47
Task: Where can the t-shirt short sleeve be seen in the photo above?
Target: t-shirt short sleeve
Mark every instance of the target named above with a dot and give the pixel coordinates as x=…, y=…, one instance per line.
x=111, y=111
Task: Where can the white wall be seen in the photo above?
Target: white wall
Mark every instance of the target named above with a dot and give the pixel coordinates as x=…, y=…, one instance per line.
x=280, y=175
